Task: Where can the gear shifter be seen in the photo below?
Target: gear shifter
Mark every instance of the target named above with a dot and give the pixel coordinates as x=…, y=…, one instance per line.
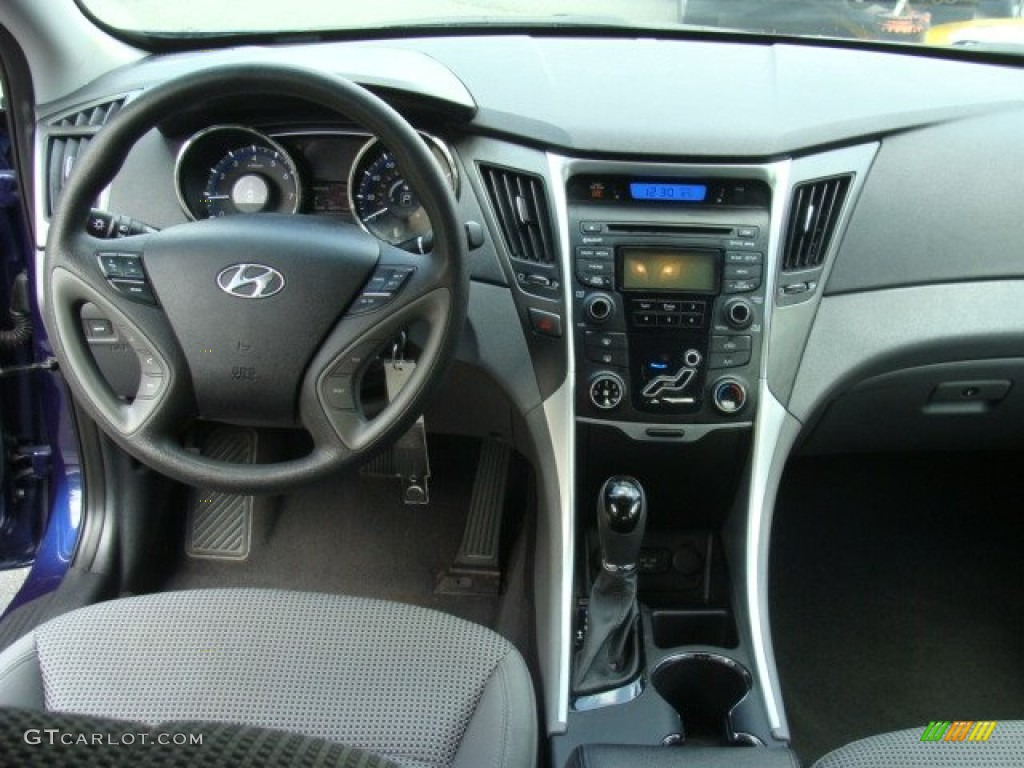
x=610, y=656
x=621, y=518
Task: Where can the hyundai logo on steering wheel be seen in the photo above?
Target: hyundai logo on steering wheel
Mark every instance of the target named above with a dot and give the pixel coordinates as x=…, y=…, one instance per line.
x=250, y=281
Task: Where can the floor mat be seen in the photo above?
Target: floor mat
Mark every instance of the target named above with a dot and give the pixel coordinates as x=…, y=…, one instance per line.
x=897, y=594
x=354, y=536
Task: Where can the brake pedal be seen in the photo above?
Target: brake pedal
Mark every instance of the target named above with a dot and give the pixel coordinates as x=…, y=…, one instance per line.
x=220, y=524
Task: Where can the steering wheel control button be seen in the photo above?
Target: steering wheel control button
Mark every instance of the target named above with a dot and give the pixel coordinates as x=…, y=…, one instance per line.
x=116, y=265
x=150, y=364
x=355, y=358
x=138, y=290
x=381, y=288
x=546, y=323
x=607, y=391
x=729, y=396
x=99, y=328
x=149, y=387
x=337, y=392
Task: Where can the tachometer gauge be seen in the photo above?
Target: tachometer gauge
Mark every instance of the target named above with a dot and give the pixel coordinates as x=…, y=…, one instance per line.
x=382, y=201
x=227, y=170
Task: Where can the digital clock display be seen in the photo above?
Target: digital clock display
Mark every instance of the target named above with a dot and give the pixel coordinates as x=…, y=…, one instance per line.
x=668, y=192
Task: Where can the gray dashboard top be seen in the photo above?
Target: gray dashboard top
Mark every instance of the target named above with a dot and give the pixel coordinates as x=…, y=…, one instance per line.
x=692, y=99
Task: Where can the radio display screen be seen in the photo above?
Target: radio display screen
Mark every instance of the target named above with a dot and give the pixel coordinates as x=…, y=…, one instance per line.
x=668, y=192
x=668, y=269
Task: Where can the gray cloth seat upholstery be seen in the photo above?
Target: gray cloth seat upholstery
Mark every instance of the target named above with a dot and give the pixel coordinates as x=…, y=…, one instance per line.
x=904, y=749
x=418, y=687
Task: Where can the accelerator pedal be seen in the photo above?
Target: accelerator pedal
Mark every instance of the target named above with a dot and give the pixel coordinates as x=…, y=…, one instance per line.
x=220, y=524
x=477, y=568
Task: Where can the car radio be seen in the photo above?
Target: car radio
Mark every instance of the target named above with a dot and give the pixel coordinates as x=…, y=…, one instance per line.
x=669, y=295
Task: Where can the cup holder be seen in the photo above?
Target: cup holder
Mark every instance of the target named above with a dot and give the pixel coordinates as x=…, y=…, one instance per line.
x=704, y=689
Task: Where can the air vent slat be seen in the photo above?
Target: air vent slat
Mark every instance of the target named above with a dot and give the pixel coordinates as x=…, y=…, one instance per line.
x=521, y=208
x=813, y=216
x=69, y=136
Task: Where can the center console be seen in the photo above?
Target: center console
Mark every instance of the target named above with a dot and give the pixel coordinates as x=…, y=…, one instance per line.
x=670, y=272
x=669, y=296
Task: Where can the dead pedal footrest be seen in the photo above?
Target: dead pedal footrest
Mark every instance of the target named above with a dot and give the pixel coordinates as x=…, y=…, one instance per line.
x=220, y=524
x=477, y=567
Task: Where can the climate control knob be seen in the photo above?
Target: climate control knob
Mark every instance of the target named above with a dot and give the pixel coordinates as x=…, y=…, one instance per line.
x=738, y=314
x=607, y=391
x=600, y=307
x=729, y=395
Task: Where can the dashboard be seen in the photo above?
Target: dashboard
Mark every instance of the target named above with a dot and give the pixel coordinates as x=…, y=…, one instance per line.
x=676, y=242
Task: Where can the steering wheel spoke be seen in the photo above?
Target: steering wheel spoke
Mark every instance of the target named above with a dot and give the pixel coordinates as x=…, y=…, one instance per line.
x=112, y=278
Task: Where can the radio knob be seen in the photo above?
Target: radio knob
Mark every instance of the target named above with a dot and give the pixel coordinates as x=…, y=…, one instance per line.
x=607, y=391
x=729, y=395
x=600, y=307
x=739, y=313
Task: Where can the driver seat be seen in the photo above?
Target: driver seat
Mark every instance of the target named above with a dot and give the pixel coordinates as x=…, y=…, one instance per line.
x=415, y=686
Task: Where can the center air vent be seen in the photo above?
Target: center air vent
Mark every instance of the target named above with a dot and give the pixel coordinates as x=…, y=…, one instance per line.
x=812, y=221
x=67, y=138
x=521, y=208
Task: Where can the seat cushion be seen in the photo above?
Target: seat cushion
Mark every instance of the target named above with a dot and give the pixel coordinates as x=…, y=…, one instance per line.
x=1004, y=748
x=417, y=686
x=31, y=738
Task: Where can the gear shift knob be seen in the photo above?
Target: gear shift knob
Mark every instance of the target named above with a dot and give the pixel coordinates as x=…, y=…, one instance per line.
x=621, y=519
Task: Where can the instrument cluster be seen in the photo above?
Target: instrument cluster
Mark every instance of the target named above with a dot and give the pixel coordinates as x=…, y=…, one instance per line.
x=227, y=170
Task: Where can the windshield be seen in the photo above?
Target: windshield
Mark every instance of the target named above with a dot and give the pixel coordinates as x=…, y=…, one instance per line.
x=985, y=23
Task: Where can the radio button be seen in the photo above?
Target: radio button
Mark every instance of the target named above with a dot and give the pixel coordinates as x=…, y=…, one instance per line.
x=591, y=227
x=593, y=267
x=602, y=340
x=740, y=286
x=688, y=320
x=669, y=320
x=741, y=244
x=641, y=305
x=730, y=343
x=743, y=257
x=729, y=359
x=742, y=272
x=696, y=307
x=747, y=233
x=669, y=306
x=603, y=252
x=596, y=281
x=616, y=357
x=644, y=318
x=585, y=251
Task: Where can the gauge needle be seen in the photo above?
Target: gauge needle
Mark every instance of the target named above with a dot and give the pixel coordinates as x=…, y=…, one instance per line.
x=216, y=197
x=375, y=214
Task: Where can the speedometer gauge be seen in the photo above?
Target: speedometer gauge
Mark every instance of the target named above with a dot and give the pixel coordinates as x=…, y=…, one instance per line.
x=383, y=202
x=231, y=169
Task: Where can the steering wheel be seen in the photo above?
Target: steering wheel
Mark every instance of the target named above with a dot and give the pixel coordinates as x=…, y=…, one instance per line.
x=260, y=319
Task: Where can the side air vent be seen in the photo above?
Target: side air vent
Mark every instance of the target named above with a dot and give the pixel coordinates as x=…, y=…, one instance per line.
x=521, y=207
x=68, y=136
x=812, y=221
